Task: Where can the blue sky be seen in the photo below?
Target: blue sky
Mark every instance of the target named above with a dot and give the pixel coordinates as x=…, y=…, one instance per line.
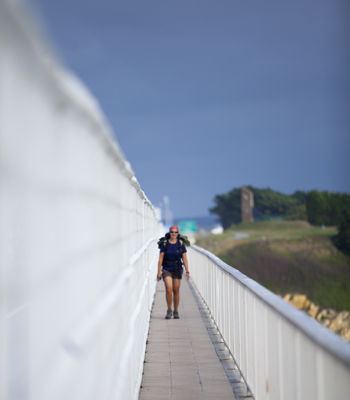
x=205, y=96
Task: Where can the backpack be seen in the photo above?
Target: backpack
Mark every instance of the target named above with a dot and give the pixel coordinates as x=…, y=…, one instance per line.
x=163, y=241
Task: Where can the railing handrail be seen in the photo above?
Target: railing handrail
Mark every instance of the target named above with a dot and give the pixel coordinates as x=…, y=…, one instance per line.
x=314, y=330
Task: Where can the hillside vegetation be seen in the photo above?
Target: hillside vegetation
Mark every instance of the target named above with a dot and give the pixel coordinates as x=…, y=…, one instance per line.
x=316, y=207
x=287, y=257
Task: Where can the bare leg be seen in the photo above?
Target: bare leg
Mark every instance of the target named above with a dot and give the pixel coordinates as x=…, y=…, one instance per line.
x=176, y=291
x=168, y=281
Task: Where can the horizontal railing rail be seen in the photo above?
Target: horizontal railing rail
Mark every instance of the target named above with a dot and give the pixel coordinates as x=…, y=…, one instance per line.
x=281, y=352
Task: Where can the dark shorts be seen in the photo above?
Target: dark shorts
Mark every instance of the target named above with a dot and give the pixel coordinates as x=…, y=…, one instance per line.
x=174, y=274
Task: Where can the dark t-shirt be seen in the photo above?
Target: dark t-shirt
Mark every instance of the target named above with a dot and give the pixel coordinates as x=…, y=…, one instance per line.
x=173, y=256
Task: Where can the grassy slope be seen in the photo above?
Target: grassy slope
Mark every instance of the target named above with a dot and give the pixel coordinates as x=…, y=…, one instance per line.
x=288, y=256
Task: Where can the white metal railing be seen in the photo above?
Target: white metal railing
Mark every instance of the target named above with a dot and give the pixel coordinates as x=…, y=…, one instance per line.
x=282, y=353
x=77, y=235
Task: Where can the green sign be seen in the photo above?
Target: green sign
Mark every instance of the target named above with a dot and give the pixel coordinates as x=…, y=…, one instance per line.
x=188, y=226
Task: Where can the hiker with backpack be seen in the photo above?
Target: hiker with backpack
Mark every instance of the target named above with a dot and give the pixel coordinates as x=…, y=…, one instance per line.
x=172, y=256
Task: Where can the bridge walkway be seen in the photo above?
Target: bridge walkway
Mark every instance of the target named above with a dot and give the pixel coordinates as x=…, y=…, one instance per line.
x=181, y=361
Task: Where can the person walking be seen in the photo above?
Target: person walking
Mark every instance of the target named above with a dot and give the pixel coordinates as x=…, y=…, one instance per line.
x=172, y=255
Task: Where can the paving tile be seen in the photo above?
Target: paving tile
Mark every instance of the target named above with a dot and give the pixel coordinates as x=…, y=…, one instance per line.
x=184, y=374
x=186, y=394
x=155, y=394
x=181, y=366
x=188, y=382
x=154, y=357
x=157, y=383
x=217, y=396
x=208, y=375
x=152, y=377
x=156, y=369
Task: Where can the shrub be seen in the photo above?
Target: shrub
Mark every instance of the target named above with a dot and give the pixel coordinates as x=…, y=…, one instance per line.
x=342, y=239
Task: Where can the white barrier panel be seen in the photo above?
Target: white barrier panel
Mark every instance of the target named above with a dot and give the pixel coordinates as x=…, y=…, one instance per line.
x=282, y=353
x=77, y=235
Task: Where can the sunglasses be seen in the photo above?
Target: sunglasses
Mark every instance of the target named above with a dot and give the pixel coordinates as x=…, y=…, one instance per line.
x=173, y=232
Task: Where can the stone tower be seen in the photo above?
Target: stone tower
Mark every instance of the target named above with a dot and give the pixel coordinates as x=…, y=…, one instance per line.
x=247, y=204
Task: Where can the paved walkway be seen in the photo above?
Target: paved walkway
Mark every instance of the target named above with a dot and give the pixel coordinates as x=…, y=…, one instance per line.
x=181, y=362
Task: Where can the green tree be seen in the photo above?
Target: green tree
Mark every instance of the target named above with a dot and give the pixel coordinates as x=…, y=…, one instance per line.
x=326, y=208
x=342, y=239
x=300, y=195
x=316, y=207
x=297, y=213
x=270, y=202
x=228, y=207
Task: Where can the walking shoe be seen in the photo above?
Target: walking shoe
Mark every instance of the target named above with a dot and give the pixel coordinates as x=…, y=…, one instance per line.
x=176, y=315
x=169, y=314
